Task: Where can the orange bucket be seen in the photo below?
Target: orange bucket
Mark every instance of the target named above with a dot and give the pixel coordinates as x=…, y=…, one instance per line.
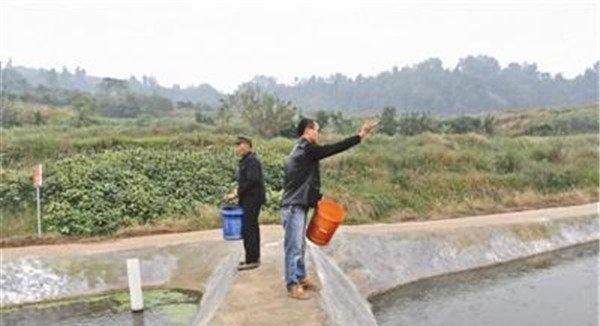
x=326, y=219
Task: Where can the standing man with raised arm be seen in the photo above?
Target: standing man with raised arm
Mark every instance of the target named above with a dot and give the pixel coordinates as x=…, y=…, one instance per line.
x=302, y=190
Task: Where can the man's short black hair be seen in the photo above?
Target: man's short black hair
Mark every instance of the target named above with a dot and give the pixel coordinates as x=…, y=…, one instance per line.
x=303, y=124
x=243, y=139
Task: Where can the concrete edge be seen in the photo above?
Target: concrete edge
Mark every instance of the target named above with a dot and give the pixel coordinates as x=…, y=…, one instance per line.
x=487, y=220
x=375, y=294
x=216, y=289
x=340, y=299
x=501, y=242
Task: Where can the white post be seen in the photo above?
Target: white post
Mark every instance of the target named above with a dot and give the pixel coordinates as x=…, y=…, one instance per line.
x=39, y=211
x=135, y=285
x=37, y=183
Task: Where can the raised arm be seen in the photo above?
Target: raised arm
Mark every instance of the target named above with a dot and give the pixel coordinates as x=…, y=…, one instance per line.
x=319, y=152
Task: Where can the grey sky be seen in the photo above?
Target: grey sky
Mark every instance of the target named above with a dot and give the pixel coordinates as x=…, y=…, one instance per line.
x=227, y=42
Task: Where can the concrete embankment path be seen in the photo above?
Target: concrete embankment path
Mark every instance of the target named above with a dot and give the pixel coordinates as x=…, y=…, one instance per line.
x=258, y=297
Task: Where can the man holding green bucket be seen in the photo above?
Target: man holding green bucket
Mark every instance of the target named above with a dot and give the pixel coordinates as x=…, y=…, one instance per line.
x=302, y=190
x=251, y=196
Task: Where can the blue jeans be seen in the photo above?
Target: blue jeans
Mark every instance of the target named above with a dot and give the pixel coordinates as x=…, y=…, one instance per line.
x=294, y=243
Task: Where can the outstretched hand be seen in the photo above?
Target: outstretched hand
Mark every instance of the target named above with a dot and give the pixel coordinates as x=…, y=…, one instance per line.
x=367, y=127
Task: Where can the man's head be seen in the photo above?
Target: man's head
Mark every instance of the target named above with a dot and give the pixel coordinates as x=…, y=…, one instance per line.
x=308, y=129
x=243, y=145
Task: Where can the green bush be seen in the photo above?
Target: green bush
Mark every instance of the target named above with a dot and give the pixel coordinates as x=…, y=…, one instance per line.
x=463, y=124
x=410, y=124
x=16, y=190
x=509, y=162
x=98, y=194
x=543, y=129
x=551, y=179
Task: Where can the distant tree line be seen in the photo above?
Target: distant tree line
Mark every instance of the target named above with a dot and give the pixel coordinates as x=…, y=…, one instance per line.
x=476, y=84
x=111, y=98
x=19, y=79
x=89, y=96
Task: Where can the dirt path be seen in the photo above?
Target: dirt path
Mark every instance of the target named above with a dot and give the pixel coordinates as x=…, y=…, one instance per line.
x=258, y=297
x=273, y=232
x=162, y=240
x=482, y=220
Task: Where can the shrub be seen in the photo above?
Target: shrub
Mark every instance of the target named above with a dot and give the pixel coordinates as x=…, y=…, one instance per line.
x=201, y=117
x=508, y=162
x=389, y=123
x=549, y=179
x=16, y=190
x=489, y=124
x=463, y=124
x=544, y=129
x=101, y=193
x=411, y=124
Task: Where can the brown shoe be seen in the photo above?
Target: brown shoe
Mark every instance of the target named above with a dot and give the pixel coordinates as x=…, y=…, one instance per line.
x=297, y=292
x=309, y=285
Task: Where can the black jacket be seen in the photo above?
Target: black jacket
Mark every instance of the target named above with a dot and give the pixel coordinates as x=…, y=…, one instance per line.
x=302, y=182
x=251, y=183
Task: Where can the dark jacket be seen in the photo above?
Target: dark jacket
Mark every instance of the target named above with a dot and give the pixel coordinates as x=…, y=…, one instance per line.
x=251, y=183
x=302, y=182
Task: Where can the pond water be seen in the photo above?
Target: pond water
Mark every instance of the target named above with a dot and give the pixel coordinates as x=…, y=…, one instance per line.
x=162, y=307
x=559, y=288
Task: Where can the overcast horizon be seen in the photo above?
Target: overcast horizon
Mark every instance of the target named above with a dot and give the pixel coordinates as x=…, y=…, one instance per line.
x=227, y=43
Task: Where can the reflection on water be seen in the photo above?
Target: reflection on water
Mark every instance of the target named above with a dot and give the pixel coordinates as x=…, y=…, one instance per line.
x=163, y=307
x=552, y=289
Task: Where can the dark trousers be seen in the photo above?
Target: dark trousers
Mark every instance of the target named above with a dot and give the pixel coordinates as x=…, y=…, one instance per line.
x=251, y=232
